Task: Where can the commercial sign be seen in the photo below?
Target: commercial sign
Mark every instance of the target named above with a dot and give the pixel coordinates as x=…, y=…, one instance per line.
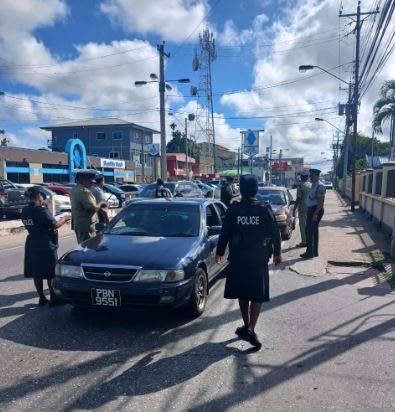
x=251, y=142
x=112, y=163
x=284, y=166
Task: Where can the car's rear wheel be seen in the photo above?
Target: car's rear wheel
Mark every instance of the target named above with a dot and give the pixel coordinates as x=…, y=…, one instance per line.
x=198, y=299
x=288, y=233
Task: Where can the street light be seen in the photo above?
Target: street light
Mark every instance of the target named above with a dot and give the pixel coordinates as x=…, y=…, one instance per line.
x=318, y=119
x=306, y=67
x=163, y=86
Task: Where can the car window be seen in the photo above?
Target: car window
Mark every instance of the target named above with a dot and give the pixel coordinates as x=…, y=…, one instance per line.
x=274, y=197
x=159, y=220
x=221, y=209
x=212, y=217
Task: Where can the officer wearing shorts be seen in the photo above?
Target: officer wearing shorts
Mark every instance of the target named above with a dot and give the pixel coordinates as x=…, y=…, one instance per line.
x=84, y=207
x=248, y=227
x=315, y=210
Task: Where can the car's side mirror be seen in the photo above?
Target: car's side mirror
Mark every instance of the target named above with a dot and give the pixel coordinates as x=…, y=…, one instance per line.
x=100, y=227
x=214, y=230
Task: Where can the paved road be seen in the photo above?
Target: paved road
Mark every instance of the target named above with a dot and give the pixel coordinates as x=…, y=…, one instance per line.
x=325, y=347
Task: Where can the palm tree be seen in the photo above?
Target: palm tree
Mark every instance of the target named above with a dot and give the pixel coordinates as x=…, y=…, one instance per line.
x=384, y=110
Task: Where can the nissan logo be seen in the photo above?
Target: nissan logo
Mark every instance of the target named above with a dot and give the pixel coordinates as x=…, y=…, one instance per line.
x=107, y=274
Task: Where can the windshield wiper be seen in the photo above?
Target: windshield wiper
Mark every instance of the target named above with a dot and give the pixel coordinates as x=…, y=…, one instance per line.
x=181, y=234
x=131, y=233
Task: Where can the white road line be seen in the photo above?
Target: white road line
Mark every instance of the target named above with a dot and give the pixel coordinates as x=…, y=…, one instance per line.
x=22, y=246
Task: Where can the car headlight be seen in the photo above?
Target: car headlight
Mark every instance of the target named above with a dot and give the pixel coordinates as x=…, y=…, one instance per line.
x=159, y=276
x=68, y=271
x=281, y=218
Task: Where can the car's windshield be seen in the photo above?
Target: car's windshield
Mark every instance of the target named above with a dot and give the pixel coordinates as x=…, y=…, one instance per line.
x=274, y=197
x=149, y=191
x=161, y=219
x=113, y=189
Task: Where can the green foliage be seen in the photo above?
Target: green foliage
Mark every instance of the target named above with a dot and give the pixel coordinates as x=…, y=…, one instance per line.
x=178, y=145
x=4, y=142
x=384, y=108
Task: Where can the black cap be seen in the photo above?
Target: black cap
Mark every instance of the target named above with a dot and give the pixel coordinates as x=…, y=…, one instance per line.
x=159, y=181
x=248, y=185
x=99, y=178
x=34, y=191
x=87, y=174
x=315, y=172
x=230, y=178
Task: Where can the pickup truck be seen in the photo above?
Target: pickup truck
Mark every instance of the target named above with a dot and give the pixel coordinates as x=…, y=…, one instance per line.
x=12, y=199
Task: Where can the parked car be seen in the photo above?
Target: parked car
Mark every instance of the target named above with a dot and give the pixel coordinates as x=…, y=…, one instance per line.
x=120, y=195
x=282, y=204
x=61, y=190
x=328, y=184
x=134, y=190
x=209, y=191
x=155, y=254
x=62, y=203
x=177, y=189
x=12, y=199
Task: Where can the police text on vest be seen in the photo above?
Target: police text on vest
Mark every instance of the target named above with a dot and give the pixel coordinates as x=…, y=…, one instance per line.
x=248, y=220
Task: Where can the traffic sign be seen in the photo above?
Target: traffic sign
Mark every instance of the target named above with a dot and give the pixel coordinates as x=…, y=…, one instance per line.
x=153, y=149
x=251, y=142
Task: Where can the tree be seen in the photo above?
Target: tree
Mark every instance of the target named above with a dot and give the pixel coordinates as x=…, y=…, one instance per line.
x=178, y=145
x=4, y=142
x=384, y=109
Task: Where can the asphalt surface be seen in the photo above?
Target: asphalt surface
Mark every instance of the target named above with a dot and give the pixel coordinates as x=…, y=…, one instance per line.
x=325, y=347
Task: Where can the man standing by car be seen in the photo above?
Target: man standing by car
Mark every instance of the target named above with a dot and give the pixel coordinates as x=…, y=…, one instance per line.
x=84, y=207
x=303, y=190
x=315, y=210
x=161, y=190
x=98, y=193
x=249, y=227
x=227, y=191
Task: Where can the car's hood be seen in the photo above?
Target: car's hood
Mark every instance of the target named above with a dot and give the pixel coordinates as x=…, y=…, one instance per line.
x=278, y=209
x=145, y=251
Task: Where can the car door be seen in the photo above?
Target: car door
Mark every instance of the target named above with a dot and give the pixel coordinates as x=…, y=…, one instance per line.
x=212, y=219
x=221, y=210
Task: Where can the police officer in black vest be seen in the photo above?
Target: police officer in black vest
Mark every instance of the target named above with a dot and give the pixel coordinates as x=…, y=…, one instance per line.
x=249, y=228
x=41, y=243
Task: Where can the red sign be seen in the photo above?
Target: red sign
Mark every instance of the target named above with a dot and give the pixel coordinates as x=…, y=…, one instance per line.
x=276, y=166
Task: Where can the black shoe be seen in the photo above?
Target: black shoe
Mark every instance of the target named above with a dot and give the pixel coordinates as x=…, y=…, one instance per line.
x=307, y=255
x=43, y=301
x=253, y=339
x=242, y=332
x=315, y=254
x=301, y=245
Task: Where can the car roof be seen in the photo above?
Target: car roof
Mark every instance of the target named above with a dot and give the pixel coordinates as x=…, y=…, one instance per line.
x=279, y=188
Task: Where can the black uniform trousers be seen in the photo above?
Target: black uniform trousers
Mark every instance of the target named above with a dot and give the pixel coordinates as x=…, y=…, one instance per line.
x=312, y=234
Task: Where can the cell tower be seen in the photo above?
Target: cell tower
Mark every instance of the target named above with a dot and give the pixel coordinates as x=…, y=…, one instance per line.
x=203, y=63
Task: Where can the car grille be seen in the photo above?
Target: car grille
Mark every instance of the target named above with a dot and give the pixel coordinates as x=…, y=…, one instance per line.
x=109, y=273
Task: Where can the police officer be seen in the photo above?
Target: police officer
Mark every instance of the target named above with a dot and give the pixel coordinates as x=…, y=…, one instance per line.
x=161, y=190
x=227, y=191
x=315, y=210
x=248, y=227
x=84, y=207
x=41, y=243
x=303, y=190
x=98, y=193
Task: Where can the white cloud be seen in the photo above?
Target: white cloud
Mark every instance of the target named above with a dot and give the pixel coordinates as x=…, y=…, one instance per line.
x=173, y=20
x=307, y=34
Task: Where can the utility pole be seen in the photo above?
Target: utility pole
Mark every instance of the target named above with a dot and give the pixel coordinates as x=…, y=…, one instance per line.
x=358, y=27
x=142, y=158
x=372, y=151
x=162, y=86
x=280, y=156
x=347, y=140
x=186, y=148
x=241, y=153
x=270, y=159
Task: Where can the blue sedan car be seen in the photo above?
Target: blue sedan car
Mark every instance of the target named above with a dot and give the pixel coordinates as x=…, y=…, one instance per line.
x=155, y=254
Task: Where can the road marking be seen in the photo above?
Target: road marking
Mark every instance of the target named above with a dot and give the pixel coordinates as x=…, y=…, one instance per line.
x=22, y=246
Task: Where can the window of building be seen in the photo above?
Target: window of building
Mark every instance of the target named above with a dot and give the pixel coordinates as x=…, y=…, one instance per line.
x=75, y=135
x=117, y=135
x=114, y=155
x=147, y=139
x=100, y=136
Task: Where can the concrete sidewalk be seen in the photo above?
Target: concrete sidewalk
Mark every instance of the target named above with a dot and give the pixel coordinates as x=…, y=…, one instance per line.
x=349, y=244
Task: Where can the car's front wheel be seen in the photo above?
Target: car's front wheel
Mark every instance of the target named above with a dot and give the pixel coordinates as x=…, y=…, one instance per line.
x=198, y=299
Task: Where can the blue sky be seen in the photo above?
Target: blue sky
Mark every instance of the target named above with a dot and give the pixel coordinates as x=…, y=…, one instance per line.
x=65, y=59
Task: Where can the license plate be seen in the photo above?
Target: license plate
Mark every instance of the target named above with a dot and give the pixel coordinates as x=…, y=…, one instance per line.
x=106, y=297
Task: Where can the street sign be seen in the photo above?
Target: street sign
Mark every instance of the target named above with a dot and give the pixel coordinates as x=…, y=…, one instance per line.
x=251, y=142
x=153, y=149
